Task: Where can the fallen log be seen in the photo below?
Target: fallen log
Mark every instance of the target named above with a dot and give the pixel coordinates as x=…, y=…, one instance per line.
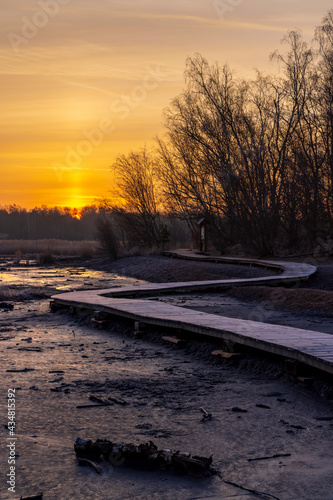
x=145, y=455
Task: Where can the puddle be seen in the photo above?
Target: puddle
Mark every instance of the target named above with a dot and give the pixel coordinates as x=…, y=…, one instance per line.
x=68, y=278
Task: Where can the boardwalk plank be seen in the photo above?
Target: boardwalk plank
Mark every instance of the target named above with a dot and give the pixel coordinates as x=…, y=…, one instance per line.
x=311, y=347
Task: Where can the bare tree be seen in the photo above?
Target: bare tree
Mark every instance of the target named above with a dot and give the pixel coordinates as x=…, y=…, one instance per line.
x=250, y=155
x=324, y=36
x=136, y=188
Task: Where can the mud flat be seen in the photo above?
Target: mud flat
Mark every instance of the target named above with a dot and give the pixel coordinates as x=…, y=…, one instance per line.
x=269, y=433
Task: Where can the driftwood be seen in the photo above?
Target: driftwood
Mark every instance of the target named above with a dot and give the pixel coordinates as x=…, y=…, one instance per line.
x=36, y=497
x=94, y=406
x=96, y=467
x=108, y=401
x=206, y=415
x=119, y=401
x=277, y=455
x=30, y=349
x=226, y=355
x=98, y=400
x=23, y=370
x=263, y=494
x=145, y=455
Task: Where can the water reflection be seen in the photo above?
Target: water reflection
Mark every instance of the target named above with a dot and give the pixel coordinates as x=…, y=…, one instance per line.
x=66, y=278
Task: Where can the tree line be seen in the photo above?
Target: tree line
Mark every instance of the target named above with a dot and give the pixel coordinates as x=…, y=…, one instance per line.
x=48, y=223
x=255, y=156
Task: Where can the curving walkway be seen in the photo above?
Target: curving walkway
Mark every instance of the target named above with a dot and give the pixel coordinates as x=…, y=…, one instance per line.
x=309, y=347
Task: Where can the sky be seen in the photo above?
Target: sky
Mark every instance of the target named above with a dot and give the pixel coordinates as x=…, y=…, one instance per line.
x=84, y=81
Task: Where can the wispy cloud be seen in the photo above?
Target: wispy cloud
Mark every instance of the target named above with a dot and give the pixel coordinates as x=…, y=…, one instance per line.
x=64, y=79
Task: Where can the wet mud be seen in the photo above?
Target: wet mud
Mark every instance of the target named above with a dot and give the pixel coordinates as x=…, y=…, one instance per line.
x=269, y=433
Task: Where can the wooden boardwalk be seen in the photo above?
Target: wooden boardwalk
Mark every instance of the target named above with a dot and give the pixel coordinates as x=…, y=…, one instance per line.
x=309, y=347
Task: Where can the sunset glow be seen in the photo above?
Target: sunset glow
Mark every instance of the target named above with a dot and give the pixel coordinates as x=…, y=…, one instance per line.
x=84, y=81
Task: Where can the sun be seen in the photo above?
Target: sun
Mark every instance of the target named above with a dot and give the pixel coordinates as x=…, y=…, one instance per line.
x=73, y=201
x=75, y=213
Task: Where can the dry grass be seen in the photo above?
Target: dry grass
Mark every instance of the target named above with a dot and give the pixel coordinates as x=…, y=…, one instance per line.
x=22, y=248
x=13, y=294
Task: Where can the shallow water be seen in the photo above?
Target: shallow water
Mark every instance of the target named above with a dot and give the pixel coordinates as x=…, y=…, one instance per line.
x=61, y=278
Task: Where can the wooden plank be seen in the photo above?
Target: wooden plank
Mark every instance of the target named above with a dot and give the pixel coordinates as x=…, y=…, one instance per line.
x=226, y=355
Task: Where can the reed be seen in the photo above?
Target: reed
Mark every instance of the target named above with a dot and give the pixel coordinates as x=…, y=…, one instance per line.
x=22, y=248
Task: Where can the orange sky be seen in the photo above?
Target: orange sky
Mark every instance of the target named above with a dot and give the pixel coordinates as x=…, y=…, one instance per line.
x=83, y=81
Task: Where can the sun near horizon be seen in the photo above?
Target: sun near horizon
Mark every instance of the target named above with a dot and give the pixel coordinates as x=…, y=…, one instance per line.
x=83, y=82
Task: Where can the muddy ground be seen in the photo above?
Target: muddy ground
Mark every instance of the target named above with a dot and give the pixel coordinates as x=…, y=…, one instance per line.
x=270, y=434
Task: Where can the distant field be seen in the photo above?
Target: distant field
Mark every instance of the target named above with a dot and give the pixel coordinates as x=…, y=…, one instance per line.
x=25, y=248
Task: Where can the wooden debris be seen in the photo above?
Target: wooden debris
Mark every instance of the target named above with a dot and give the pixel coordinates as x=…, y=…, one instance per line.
x=85, y=461
x=278, y=455
x=305, y=380
x=95, y=406
x=206, y=415
x=117, y=400
x=98, y=400
x=263, y=494
x=145, y=455
x=139, y=334
x=226, y=355
x=174, y=340
x=273, y=394
x=30, y=349
x=103, y=401
x=23, y=370
x=98, y=322
x=35, y=497
x=236, y=409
